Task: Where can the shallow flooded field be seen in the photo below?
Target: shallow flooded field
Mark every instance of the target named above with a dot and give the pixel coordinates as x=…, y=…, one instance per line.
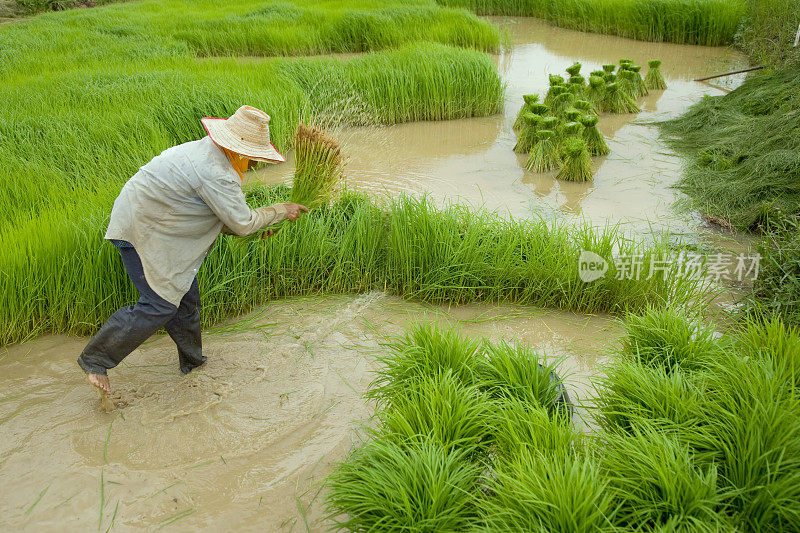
x=245, y=442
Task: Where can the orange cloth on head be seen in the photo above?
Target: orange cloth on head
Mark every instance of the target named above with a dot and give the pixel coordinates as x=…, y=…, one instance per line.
x=239, y=162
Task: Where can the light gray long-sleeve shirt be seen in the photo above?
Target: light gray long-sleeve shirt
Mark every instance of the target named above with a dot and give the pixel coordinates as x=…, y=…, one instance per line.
x=175, y=206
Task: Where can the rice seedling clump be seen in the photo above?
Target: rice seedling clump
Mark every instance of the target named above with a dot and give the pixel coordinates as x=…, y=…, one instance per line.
x=654, y=80
x=577, y=165
x=595, y=142
x=545, y=155
x=318, y=167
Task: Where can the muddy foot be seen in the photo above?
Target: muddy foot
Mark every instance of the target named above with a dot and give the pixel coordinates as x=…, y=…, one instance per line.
x=103, y=387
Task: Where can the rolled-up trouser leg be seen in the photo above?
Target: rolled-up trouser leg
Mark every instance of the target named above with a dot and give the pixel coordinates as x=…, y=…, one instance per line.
x=184, y=328
x=129, y=326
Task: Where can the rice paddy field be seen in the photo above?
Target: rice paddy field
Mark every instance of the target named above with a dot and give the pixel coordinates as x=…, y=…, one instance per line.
x=399, y=359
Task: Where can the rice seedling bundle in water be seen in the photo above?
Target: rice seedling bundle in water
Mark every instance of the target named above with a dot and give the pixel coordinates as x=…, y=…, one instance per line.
x=577, y=164
x=528, y=100
x=572, y=114
x=545, y=155
x=584, y=106
x=641, y=87
x=561, y=103
x=574, y=69
x=553, y=92
x=576, y=89
x=526, y=137
x=572, y=129
x=600, y=73
x=318, y=167
x=609, y=68
x=618, y=101
x=596, y=92
x=595, y=142
x=610, y=77
x=654, y=79
x=577, y=79
x=627, y=83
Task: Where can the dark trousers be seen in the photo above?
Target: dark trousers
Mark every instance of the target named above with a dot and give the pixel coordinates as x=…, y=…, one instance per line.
x=130, y=326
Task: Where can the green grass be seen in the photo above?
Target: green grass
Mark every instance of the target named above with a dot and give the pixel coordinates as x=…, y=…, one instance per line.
x=767, y=33
x=705, y=22
x=681, y=447
x=743, y=151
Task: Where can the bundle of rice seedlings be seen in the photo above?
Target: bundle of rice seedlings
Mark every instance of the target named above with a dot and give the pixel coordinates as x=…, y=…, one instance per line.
x=561, y=103
x=627, y=83
x=572, y=129
x=528, y=101
x=596, y=92
x=599, y=73
x=577, y=164
x=641, y=88
x=539, y=109
x=425, y=350
x=452, y=414
x=617, y=101
x=552, y=93
x=654, y=80
x=389, y=486
x=318, y=167
x=595, y=142
x=609, y=69
x=516, y=425
x=610, y=77
x=555, y=79
x=574, y=69
x=668, y=338
x=585, y=107
x=577, y=79
x=575, y=89
x=571, y=114
x=625, y=63
x=526, y=137
x=545, y=155
x=538, y=491
x=516, y=371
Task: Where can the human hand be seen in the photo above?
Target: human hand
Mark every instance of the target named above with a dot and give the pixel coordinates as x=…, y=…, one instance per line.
x=270, y=232
x=294, y=211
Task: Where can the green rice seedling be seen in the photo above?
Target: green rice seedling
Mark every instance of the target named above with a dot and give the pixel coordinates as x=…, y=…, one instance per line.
x=575, y=89
x=528, y=101
x=609, y=68
x=416, y=486
x=600, y=73
x=574, y=69
x=555, y=79
x=627, y=83
x=516, y=424
x=545, y=155
x=596, y=92
x=618, y=101
x=318, y=167
x=625, y=63
x=641, y=87
x=585, y=107
x=561, y=103
x=571, y=114
x=516, y=371
x=553, y=93
x=572, y=129
x=543, y=492
x=667, y=338
x=610, y=78
x=595, y=142
x=578, y=80
x=439, y=408
x=540, y=109
x=755, y=420
x=655, y=480
x=526, y=137
x=770, y=339
x=654, y=79
x=425, y=351
x=577, y=164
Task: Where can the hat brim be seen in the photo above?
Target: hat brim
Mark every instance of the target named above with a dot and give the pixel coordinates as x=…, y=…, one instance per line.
x=225, y=138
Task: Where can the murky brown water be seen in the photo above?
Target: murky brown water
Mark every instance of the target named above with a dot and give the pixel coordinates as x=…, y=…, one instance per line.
x=245, y=442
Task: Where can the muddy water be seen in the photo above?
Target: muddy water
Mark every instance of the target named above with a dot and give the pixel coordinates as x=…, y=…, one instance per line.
x=245, y=441
x=472, y=160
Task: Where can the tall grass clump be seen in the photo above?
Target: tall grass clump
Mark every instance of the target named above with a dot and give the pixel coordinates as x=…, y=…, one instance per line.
x=654, y=80
x=704, y=22
x=394, y=486
x=743, y=152
x=318, y=167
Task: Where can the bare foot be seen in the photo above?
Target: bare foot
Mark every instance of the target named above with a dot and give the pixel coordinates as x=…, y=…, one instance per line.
x=100, y=381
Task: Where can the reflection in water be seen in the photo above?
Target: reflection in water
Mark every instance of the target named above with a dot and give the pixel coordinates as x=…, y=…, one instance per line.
x=472, y=161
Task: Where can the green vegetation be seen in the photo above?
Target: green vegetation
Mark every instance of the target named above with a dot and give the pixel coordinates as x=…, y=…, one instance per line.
x=697, y=433
x=318, y=167
x=705, y=22
x=743, y=151
x=66, y=279
x=768, y=31
x=577, y=164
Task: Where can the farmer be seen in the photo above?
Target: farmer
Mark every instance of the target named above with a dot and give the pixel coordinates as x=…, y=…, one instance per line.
x=164, y=222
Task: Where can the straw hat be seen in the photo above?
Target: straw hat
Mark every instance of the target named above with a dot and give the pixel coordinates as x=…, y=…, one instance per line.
x=246, y=133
